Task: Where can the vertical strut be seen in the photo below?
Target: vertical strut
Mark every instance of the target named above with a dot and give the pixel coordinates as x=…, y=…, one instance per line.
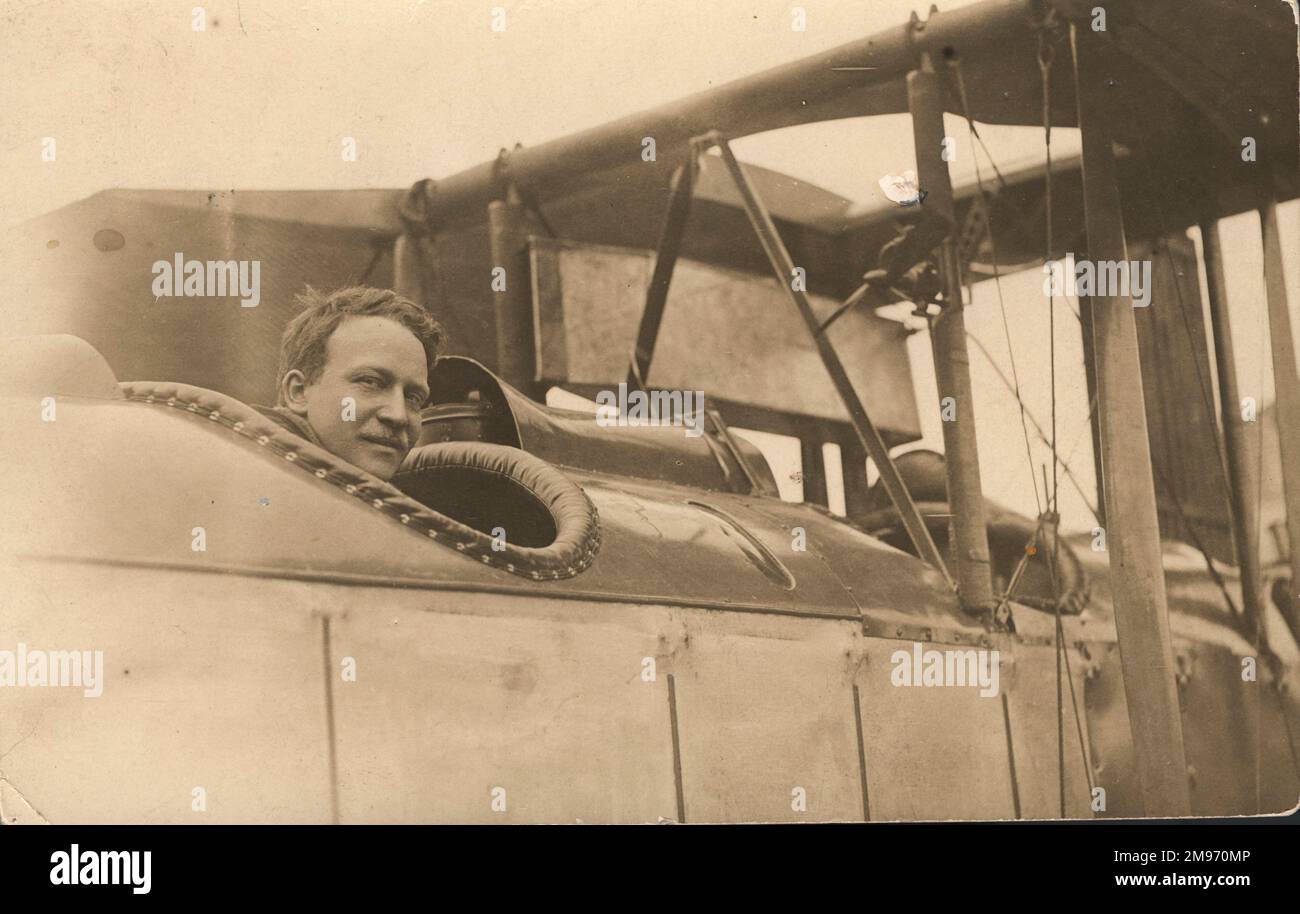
x=1133, y=538
x=951, y=357
x=1286, y=387
x=853, y=461
x=513, y=307
x=1243, y=484
x=813, y=470
x=1094, y=421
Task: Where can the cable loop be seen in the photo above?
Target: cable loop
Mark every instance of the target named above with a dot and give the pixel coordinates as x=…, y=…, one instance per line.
x=416, y=208
x=1046, y=51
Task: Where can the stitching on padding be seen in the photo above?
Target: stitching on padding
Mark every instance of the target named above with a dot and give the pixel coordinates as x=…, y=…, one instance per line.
x=553, y=562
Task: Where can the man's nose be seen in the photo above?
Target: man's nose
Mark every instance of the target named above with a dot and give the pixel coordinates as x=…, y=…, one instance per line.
x=392, y=410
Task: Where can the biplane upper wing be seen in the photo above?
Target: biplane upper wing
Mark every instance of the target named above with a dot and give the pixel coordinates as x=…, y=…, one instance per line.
x=1180, y=68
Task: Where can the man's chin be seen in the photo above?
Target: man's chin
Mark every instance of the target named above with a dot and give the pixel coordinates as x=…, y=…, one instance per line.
x=383, y=465
x=383, y=469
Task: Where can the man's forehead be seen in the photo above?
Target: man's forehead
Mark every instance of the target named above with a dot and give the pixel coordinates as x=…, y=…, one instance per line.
x=377, y=342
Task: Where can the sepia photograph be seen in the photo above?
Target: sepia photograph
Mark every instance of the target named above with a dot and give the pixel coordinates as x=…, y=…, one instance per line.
x=594, y=412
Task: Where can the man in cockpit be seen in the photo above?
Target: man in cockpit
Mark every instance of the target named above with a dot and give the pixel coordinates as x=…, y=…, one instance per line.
x=354, y=374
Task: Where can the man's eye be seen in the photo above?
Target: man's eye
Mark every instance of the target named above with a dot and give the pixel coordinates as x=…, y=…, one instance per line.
x=370, y=381
x=416, y=400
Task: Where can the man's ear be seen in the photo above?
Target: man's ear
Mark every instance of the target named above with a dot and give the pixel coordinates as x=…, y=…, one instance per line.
x=293, y=391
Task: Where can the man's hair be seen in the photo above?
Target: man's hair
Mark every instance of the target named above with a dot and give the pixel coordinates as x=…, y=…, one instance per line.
x=302, y=346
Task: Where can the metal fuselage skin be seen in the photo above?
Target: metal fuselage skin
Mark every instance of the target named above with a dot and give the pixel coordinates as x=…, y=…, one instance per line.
x=315, y=661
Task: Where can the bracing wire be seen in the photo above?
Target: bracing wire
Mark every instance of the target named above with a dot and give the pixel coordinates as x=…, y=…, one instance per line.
x=997, y=272
x=1264, y=330
x=1062, y=652
x=1038, y=428
x=1046, y=52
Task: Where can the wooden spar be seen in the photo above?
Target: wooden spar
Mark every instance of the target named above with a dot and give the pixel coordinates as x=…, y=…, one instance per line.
x=872, y=441
x=512, y=306
x=815, y=88
x=1133, y=537
x=1286, y=404
x=1243, y=483
x=970, y=540
x=681, y=191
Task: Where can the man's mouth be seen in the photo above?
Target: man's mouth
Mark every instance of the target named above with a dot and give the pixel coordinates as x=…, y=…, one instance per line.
x=395, y=444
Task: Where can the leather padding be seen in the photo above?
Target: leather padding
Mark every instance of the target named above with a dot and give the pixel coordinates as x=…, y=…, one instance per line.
x=577, y=524
x=529, y=480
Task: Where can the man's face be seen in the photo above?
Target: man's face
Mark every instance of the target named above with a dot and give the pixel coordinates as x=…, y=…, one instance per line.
x=383, y=367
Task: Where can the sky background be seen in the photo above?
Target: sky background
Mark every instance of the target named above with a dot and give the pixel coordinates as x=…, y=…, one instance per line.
x=262, y=98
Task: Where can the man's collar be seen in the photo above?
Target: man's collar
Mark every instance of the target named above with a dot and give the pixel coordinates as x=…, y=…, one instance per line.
x=288, y=419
